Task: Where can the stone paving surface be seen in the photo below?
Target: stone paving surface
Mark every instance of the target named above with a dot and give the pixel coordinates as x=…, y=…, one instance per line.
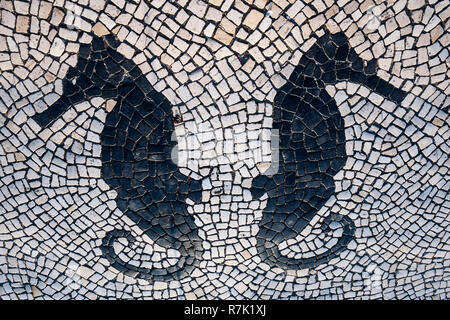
x=246, y=149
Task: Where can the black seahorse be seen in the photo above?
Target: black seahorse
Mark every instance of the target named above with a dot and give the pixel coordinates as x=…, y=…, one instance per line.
x=136, y=155
x=312, y=148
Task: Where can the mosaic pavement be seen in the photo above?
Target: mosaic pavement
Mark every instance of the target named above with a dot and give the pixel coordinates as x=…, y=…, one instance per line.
x=224, y=149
